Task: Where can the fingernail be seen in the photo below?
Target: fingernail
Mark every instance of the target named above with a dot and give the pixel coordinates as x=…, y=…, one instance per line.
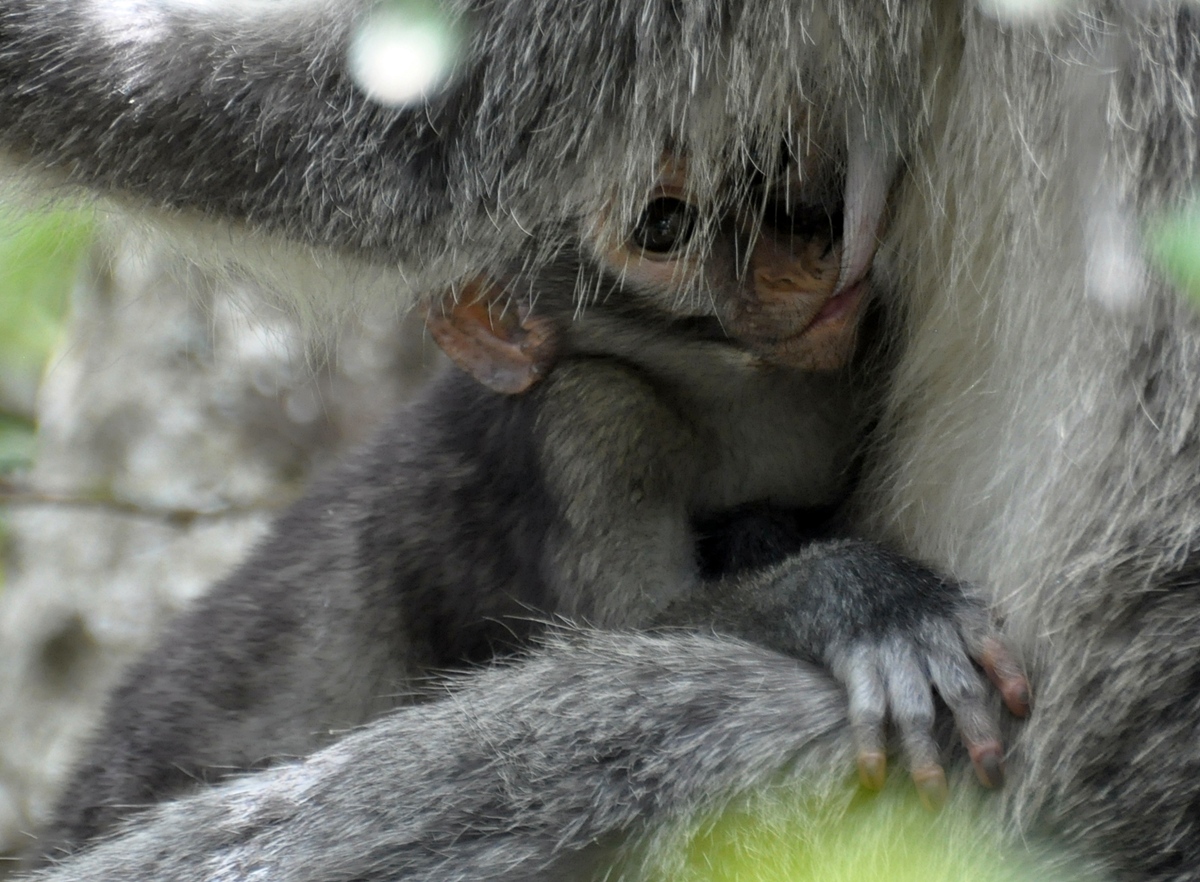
x=931, y=787
x=989, y=764
x=872, y=769
x=1025, y=697
x=1019, y=700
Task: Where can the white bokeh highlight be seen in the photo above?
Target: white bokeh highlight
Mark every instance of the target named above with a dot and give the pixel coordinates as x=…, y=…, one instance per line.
x=1115, y=270
x=1017, y=11
x=402, y=53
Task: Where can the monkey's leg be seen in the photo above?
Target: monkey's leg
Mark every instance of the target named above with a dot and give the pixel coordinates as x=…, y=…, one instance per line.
x=419, y=554
x=273, y=662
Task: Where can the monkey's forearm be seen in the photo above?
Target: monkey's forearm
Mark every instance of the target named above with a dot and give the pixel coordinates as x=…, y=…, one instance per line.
x=552, y=108
x=254, y=117
x=536, y=770
x=238, y=117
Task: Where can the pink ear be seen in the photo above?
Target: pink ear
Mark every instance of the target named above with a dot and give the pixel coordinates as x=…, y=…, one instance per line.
x=484, y=334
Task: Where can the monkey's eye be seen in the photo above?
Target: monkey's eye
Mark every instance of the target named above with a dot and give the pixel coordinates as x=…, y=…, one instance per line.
x=667, y=224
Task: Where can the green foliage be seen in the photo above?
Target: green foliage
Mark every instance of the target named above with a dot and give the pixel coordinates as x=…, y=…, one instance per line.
x=1175, y=244
x=39, y=258
x=885, y=837
x=16, y=443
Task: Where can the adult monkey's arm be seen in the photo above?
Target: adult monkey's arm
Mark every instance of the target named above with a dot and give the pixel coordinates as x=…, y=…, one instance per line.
x=248, y=114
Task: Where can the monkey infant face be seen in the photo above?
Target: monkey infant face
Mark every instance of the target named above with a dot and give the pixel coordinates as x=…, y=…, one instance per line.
x=760, y=275
x=767, y=269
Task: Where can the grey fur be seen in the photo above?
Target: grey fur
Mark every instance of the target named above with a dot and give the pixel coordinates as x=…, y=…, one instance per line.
x=516, y=793
x=477, y=512
x=1035, y=439
x=289, y=146
x=1040, y=440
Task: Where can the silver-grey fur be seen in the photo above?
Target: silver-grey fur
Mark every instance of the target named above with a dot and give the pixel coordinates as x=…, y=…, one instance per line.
x=1039, y=435
x=289, y=146
x=476, y=511
x=515, y=793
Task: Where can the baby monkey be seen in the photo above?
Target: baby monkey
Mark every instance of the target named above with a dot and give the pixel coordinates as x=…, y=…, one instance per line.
x=629, y=387
x=708, y=369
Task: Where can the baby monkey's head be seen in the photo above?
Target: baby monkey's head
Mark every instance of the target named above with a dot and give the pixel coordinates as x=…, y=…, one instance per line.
x=758, y=266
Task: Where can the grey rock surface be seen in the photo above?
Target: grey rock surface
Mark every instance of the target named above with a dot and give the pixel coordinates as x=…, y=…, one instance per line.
x=173, y=422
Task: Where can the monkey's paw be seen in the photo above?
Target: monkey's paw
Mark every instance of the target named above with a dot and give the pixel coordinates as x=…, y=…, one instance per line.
x=892, y=631
x=891, y=673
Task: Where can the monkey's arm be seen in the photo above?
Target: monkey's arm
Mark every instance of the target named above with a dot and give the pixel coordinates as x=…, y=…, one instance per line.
x=238, y=116
x=887, y=628
x=625, y=462
x=538, y=770
x=246, y=113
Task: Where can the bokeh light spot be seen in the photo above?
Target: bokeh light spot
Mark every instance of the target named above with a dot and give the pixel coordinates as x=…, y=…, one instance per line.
x=1174, y=242
x=1017, y=11
x=403, y=51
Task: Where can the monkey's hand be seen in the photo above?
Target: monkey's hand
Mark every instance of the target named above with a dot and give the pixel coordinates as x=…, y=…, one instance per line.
x=891, y=631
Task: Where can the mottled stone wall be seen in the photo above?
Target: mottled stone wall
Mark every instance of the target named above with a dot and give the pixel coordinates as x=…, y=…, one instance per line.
x=173, y=422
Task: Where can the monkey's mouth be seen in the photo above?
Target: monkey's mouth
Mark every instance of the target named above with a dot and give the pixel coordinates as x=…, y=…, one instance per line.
x=839, y=307
x=825, y=339
x=825, y=342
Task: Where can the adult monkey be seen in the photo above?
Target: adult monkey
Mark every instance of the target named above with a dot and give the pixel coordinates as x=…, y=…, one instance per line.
x=1040, y=359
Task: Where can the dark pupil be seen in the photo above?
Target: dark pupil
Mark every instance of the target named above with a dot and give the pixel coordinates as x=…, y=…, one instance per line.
x=666, y=225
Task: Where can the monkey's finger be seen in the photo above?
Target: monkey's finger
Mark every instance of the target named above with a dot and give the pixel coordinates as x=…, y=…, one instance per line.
x=993, y=656
x=966, y=694
x=1002, y=669
x=868, y=713
x=931, y=786
x=911, y=703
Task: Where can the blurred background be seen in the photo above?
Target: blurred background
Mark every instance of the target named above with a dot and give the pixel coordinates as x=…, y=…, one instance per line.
x=151, y=424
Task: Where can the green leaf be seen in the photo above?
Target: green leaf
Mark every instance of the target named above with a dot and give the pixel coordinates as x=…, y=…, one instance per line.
x=17, y=441
x=39, y=259
x=1175, y=246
